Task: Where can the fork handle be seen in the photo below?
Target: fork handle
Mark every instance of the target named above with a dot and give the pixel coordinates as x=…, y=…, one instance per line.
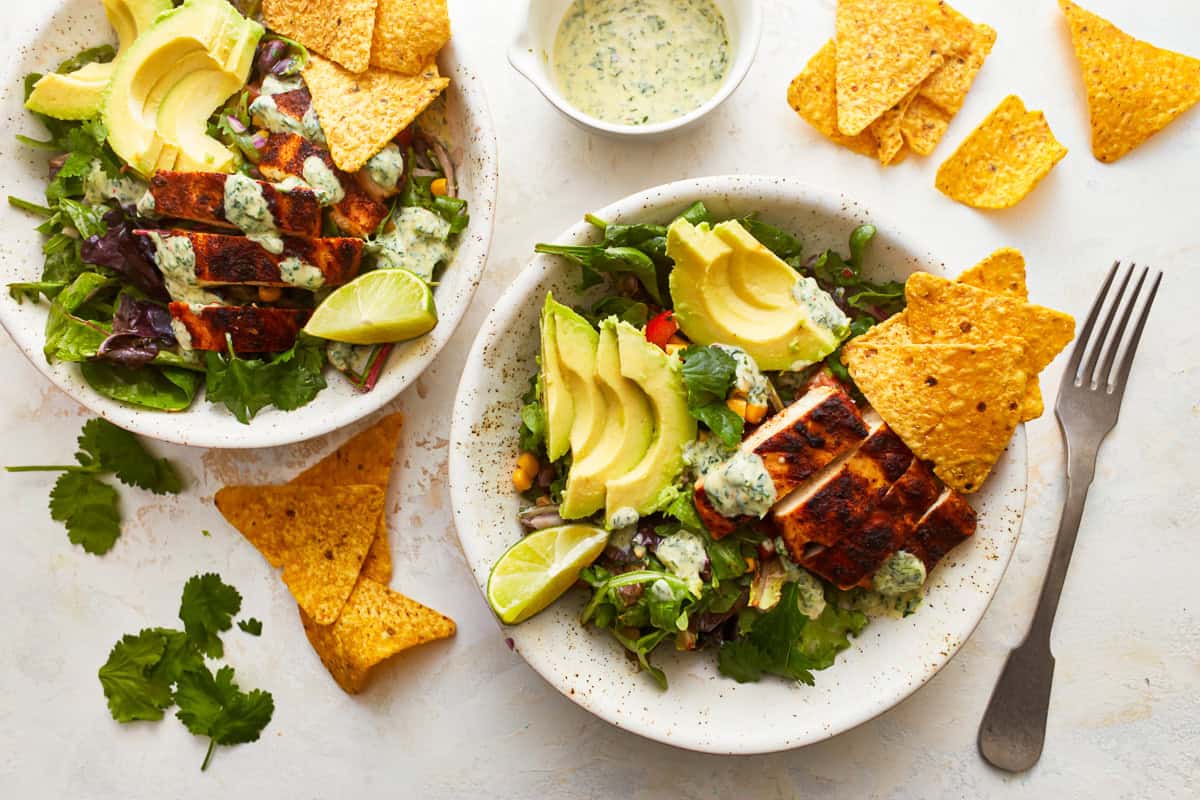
x=1014, y=726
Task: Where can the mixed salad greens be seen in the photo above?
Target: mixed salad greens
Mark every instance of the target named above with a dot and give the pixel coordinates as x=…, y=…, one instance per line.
x=663, y=577
x=103, y=278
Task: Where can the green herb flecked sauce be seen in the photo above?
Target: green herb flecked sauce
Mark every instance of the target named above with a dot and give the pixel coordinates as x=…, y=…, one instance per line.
x=296, y=272
x=634, y=62
x=417, y=242
x=386, y=167
x=740, y=485
x=320, y=177
x=265, y=112
x=247, y=208
x=176, y=261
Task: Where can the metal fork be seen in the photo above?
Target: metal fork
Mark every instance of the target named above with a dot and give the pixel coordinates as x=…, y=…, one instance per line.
x=1089, y=401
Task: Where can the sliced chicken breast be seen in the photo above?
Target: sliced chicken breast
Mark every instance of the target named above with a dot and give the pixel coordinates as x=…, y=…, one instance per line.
x=949, y=522
x=304, y=263
x=794, y=445
x=251, y=329
x=200, y=197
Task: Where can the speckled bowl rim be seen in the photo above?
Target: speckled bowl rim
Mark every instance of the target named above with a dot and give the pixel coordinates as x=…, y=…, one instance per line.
x=478, y=386
x=49, y=36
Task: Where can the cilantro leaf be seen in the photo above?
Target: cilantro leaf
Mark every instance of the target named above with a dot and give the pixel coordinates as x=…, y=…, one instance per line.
x=112, y=449
x=252, y=626
x=215, y=707
x=134, y=688
x=708, y=375
x=207, y=608
x=247, y=385
x=722, y=421
x=89, y=509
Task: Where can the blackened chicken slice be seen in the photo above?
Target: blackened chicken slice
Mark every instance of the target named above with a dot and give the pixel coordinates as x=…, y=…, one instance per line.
x=251, y=329
x=200, y=197
x=949, y=522
x=304, y=263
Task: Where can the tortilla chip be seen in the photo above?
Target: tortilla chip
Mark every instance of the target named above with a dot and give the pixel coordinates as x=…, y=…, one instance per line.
x=947, y=87
x=360, y=114
x=813, y=95
x=923, y=125
x=375, y=624
x=409, y=33
x=885, y=49
x=1134, y=89
x=953, y=404
x=886, y=131
x=319, y=538
x=337, y=29
x=365, y=458
x=893, y=330
x=1003, y=272
x=1002, y=160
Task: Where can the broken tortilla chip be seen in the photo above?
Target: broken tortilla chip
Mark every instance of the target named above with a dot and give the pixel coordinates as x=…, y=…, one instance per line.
x=893, y=330
x=375, y=624
x=923, y=125
x=947, y=87
x=360, y=114
x=953, y=404
x=886, y=131
x=365, y=458
x=885, y=49
x=1134, y=89
x=319, y=538
x=409, y=33
x=338, y=29
x=1002, y=160
x=813, y=95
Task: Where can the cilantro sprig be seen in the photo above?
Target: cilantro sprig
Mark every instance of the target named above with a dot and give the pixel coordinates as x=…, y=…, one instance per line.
x=708, y=374
x=148, y=672
x=90, y=507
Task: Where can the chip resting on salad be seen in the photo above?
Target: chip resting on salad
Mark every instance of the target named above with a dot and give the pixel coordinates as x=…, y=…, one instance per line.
x=341, y=30
x=409, y=33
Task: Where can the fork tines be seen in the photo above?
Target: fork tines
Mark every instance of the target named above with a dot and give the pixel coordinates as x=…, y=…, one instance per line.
x=1091, y=364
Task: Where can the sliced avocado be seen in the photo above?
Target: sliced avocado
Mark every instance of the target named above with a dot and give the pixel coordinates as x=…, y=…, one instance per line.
x=660, y=379
x=576, y=342
x=729, y=288
x=627, y=433
x=204, y=41
x=78, y=94
x=556, y=396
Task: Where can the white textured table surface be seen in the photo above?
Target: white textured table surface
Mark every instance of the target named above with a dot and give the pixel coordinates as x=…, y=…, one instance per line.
x=467, y=717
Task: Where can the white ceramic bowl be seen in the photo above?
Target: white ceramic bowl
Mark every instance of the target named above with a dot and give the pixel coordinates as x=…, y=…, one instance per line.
x=530, y=54
x=53, y=31
x=704, y=710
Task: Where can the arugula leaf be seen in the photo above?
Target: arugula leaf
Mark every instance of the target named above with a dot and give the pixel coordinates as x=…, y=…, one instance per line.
x=102, y=54
x=111, y=449
x=248, y=385
x=88, y=507
x=35, y=290
x=207, y=608
x=777, y=240
x=252, y=626
x=600, y=258
x=642, y=647
x=215, y=707
x=623, y=308
x=708, y=375
x=135, y=689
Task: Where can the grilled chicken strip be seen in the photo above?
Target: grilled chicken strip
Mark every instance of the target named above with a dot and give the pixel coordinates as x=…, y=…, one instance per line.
x=284, y=156
x=251, y=329
x=948, y=523
x=304, y=263
x=794, y=445
x=853, y=559
x=200, y=197
x=840, y=500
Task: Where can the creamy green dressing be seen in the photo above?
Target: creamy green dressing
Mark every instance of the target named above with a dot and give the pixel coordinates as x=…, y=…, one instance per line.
x=320, y=177
x=246, y=208
x=434, y=123
x=684, y=555
x=417, y=243
x=810, y=594
x=821, y=308
x=902, y=572
x=740, y=485
x=623, y=517
x=146, y=205
x=749, y=380
x=386, y=167
x=182, y=335
x=99, y=187
x=176, y=261
x=634, y=62
x=705, y=453
x=301, y=274
x=265, y=111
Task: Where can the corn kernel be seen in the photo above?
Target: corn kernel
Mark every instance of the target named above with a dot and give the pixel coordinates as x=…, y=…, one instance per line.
x=737, y=405
x=529, y=463
x=675, y=347
x=438, y=187
x=755, y=412
x=750, y=563
x=269, y=294
x=522, y=480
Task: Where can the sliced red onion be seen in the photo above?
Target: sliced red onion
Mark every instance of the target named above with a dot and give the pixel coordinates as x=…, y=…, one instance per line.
x=235, y=124
x=447, y=168
x=259, y=141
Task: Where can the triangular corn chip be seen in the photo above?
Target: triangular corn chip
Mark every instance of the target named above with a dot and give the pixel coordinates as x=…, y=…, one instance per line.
x=813, y=95
x=361, y=113
x=409, y=33
x=319, y=538
x=953, y=404
x=337, y=29
x=375, y=624
x=365, y=458
x=947, y=87
x=924, y=124
x=1002, y=160
x=886, y=130
x=885, y=49
x=1134, y=89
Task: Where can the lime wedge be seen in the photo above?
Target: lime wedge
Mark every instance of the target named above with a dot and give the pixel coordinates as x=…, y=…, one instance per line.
x=535, y=571
x=387, y=305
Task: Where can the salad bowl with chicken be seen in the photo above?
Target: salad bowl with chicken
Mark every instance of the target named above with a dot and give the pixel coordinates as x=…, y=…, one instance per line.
x=207, y=241
x=696, y=525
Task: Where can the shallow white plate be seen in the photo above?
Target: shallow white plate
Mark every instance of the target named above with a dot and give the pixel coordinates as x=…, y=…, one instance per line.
x=704, y=710
x=52, y=31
